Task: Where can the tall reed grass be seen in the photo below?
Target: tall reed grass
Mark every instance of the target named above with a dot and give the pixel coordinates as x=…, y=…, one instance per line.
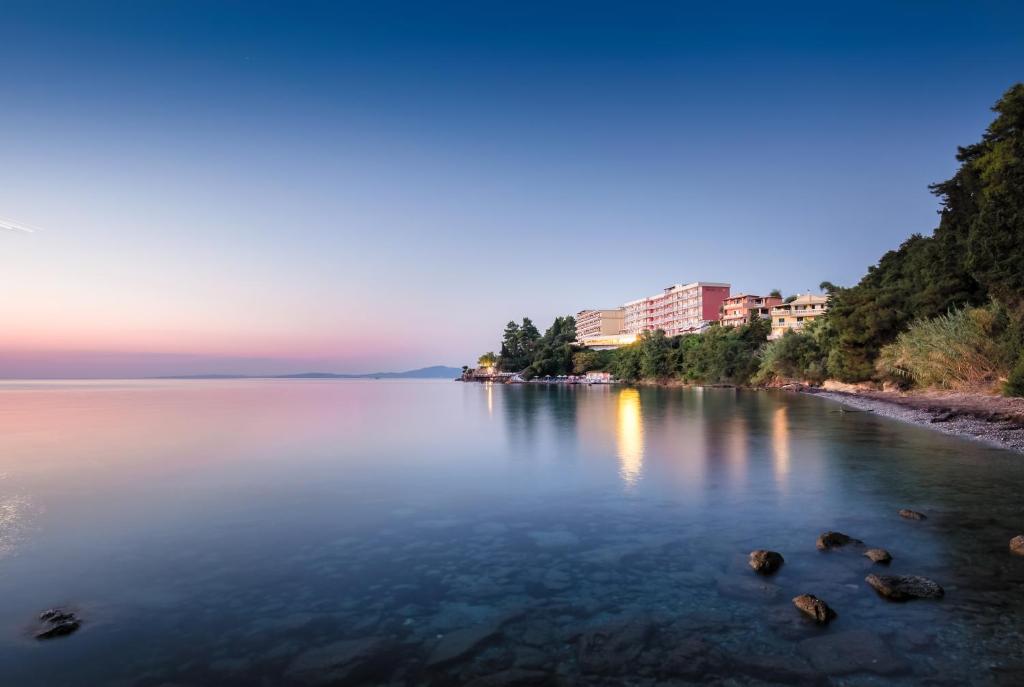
x=963, y=349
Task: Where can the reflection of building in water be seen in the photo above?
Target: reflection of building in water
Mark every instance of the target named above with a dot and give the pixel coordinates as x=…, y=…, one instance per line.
x=737, y=445
x=629, y=436
x=780, y=443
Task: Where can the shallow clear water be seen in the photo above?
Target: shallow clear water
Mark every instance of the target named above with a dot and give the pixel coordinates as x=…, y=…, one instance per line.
x=391, y=532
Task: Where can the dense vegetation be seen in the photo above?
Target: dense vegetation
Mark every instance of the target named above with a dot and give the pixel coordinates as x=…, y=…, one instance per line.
x=525, y=350
x=975, y=255
x=945, y=310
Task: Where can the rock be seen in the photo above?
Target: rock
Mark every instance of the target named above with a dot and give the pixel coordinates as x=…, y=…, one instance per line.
x=878, y=555
x=57, y=622
x=904, y=587
x=349, y=660
x=854, y=651
x=811, y=605
x=1017, y=545
x=766, y=562
x=912, y=514
x=606, y=650
x=834, y=540
x=777, y=669
x=513, y=677
x=692, y=658
x=461, y=643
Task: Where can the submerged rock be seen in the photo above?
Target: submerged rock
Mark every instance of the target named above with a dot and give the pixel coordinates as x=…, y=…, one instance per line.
x=607, y=649
x=878, y=555
x=346, y=660
x=912, y=514
x=811, y=605
x=834, y=540
x=766, y=562
x=905, y=587
x=854, y=651
x=1017, y=545
x=692, y=658
x=461, y=643
x=513, y=677
x=57, y=622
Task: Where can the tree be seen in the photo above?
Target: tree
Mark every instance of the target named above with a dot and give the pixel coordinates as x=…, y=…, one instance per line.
x=775, y=293
x=488, y=359
x=553, y=354
x=654, y=355
x=976, y=253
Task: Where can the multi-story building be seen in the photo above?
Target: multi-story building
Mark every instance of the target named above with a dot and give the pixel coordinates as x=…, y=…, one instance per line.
x=797, y=313
x=678, y=309
x=745, y=308
x=598, y=323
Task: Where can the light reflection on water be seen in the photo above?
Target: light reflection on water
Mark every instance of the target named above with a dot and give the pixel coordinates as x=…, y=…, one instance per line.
x=216, y=532
x=629, y=435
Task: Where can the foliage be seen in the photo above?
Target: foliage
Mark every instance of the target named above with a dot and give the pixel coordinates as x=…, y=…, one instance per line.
x=553, y=354
x=626, y=363
x=654, y=355
x=975, y=253
x=719, y=355
x=794, y=356
x=722, y=355
x=589, y=360
x=488, y=359
x=1014, y=385
x=518, y=345
x=965, y=348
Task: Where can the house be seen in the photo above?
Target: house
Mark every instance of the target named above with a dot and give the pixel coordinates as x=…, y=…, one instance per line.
x=797, y=313
x=745, y=308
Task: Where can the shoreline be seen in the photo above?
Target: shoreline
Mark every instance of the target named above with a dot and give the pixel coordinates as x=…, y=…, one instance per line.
x=995, y=421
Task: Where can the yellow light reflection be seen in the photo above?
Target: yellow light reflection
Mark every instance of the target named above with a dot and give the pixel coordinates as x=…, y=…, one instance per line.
x=738, y=447
x=629, y=436
x=490, y=398
x=780, y=443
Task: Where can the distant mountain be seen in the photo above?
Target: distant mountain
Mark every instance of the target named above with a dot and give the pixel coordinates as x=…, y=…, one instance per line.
x=434, y=372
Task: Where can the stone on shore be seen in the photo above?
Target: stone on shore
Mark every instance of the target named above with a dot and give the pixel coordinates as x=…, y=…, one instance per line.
x=912, y=514
x=766, y=562
x=834, y=540
x=57, y=622
x=1017, y=545
x=811, y=605
x=905, y=587
x=878, y=555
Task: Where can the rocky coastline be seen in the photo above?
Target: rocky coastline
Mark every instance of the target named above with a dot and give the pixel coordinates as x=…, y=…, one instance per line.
x=993, y=420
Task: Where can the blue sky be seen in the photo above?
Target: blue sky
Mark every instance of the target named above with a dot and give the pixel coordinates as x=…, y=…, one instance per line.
x=273, y=187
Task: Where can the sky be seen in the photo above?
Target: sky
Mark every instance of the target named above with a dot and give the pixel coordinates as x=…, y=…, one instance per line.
x=263, y=188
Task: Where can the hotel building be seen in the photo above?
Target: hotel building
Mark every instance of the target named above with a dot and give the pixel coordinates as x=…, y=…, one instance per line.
x=745, y=308
x=678, y=309
x=593, y=323
x=795, y=314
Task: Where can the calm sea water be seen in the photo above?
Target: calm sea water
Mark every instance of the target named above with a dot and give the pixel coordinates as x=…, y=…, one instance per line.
x=392, y=532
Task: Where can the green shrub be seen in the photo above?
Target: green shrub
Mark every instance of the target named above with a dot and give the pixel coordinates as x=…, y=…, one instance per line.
x=795, y=356
x=1014, y=385
x=965, y=348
